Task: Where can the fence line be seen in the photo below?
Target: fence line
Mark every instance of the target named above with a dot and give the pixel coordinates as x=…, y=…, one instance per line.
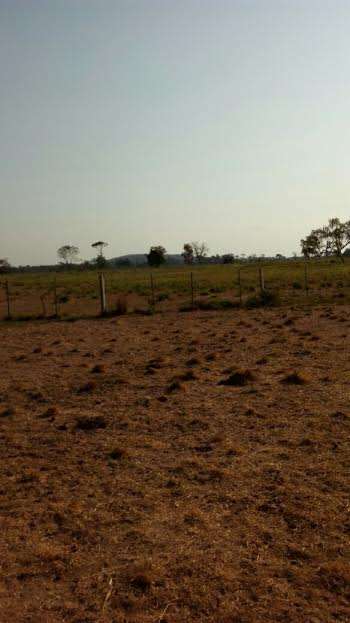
x=249, y=281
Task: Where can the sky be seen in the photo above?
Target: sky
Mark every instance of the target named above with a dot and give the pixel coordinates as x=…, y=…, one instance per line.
x=143, y=122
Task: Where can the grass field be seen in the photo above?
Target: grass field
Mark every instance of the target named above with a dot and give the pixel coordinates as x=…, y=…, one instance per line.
x=32, y=293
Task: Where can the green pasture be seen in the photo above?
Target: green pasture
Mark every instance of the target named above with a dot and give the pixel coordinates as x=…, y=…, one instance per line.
x=210, y=279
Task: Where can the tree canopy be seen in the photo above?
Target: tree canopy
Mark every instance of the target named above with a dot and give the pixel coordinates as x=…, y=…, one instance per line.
x=200, y=250
x=156, y=256
x=331, y=239
x=5, y=265
x=68, y=253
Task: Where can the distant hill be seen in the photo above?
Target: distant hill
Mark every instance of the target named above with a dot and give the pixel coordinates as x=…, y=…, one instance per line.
x=139, y=259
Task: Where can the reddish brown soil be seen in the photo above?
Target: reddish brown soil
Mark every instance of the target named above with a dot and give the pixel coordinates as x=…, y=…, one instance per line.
x=136, y=488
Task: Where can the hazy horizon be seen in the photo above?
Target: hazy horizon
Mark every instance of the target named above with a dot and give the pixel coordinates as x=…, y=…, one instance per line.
x=160, y=122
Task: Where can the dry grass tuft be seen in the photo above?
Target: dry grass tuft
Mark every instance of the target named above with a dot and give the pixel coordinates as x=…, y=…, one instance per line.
x=87, y=388
x=7, y=412
x=210, y=357
x=189, y=375
x=174, y=386
x=193, y=361
x=117, y=453
x=238, y=379
x=99, y=368
x=90, y=422
x=141, y=581
x=294, y=378
x=51, y=412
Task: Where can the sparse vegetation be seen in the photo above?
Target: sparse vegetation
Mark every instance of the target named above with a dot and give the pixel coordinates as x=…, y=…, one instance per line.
x=138, y=452
x=215, y=287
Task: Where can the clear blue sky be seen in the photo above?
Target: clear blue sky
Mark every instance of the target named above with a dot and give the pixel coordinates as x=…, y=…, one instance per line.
x=162, y=121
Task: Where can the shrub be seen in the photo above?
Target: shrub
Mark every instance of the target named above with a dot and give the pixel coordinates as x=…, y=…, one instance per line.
x=267, y=298
x=163, y=296
x=210, y=305
x=63, y=298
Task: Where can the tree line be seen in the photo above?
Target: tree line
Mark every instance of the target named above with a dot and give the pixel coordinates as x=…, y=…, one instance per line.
x=332, y=239
x=192, y=252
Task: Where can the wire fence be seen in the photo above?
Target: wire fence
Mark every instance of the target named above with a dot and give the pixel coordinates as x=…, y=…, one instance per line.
x=113, y=292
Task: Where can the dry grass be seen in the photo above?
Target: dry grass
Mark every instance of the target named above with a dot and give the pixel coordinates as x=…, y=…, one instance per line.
x=136, y=497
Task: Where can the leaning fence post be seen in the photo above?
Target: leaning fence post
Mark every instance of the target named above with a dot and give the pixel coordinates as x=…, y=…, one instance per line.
x=192, y=291
x=240, y=286
x=7, y=290
x=306, y=283
x=102, y=286
x=261, y=280
x=153, y=299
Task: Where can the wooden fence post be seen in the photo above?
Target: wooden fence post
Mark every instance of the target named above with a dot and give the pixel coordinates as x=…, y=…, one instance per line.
x=192, y=292
x=153, y=298
x=43, y=303
x=7, y=291
x=261, y=280
x=240, y=286
x=102, y=286
x=55, y=299
x=306, y=283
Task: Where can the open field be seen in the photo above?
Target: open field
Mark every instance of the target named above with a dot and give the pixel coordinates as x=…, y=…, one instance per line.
x=32, y=294
x=176, y=468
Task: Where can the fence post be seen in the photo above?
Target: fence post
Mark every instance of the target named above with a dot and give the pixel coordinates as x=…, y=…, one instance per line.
x=43, y=303
x=153, y=299
x=240, y=286
x=55, y=300
x=306, y=283
x=261, y=280
x=192, y=291
x=7, y=290
x=102, y=286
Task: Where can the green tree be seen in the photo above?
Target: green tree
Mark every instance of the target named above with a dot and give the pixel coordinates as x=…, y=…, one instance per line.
x=100, y=260
x=187, y=253
x=156, y=256
x=68, y=254
x=5, y=265
x=331, y=239
x=200, y=250
x=100, y=245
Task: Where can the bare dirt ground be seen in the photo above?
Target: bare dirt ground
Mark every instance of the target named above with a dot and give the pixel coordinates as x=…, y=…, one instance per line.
x=176, y=468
